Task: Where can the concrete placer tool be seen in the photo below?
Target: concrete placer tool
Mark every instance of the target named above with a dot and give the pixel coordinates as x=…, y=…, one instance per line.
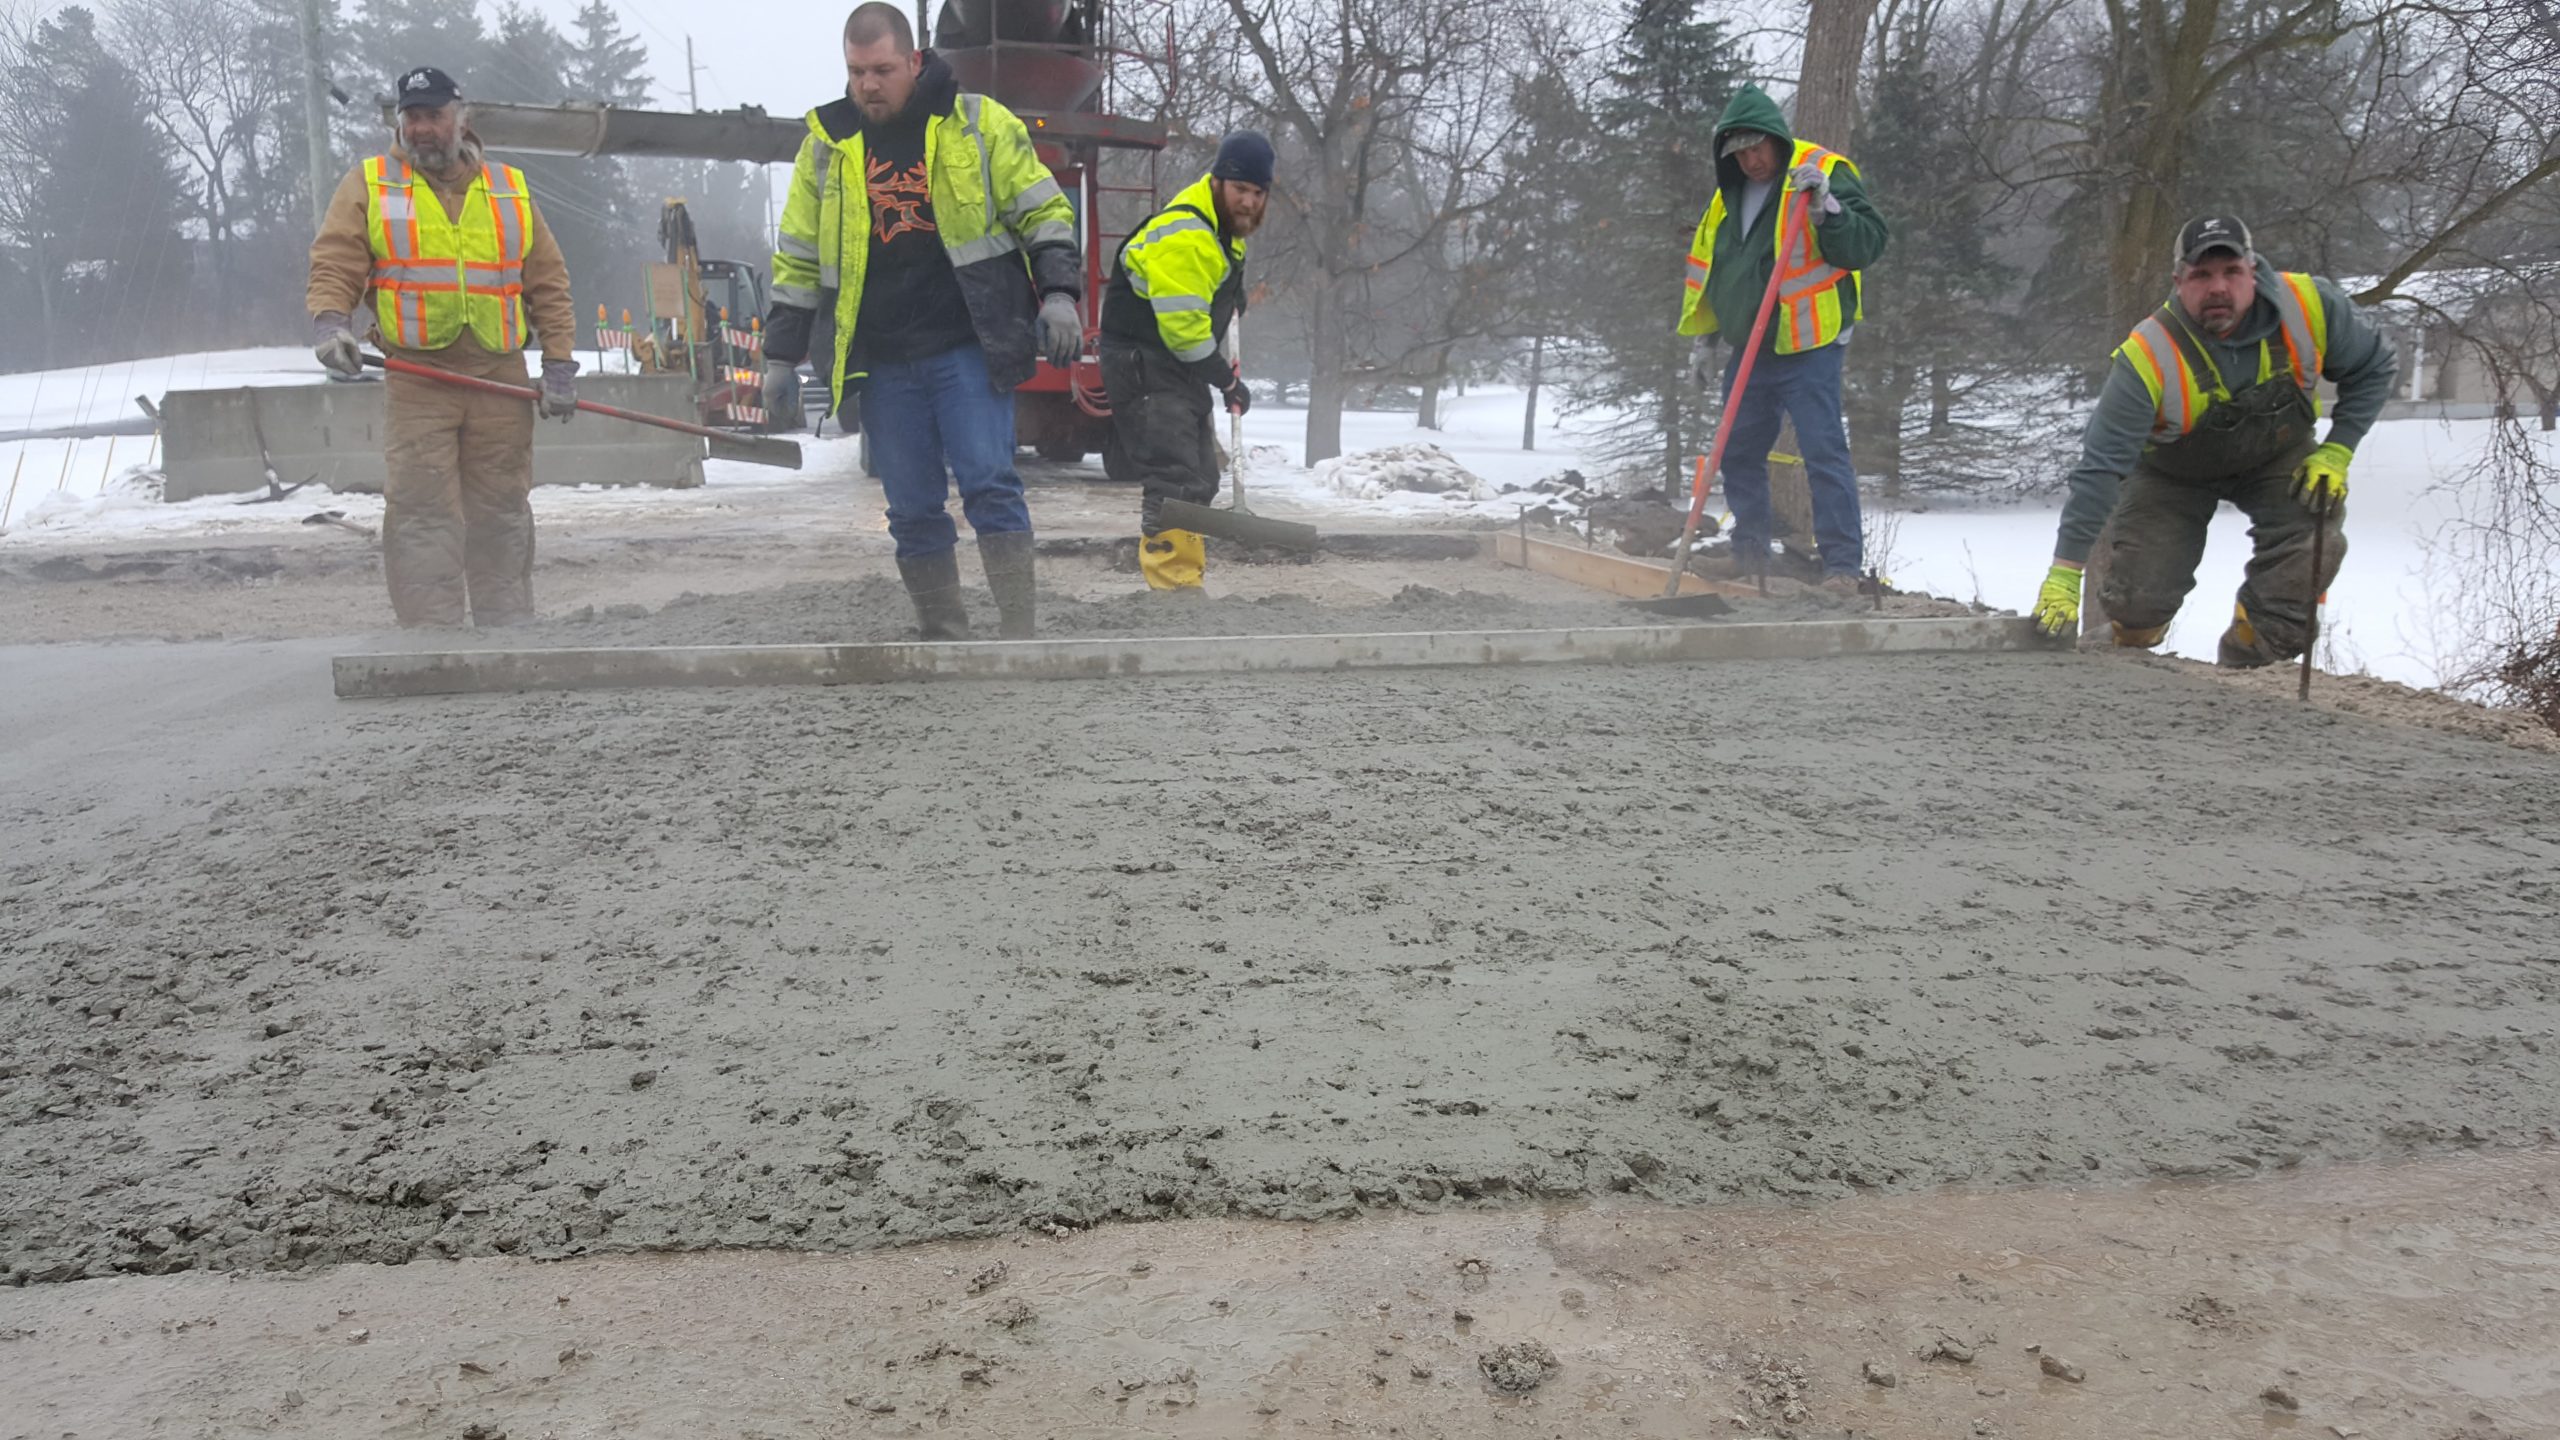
x=725, y=445
x=1236, y=522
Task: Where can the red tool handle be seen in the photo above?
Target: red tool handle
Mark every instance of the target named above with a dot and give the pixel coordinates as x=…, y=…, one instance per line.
x=1796, y=219
x=527, y=392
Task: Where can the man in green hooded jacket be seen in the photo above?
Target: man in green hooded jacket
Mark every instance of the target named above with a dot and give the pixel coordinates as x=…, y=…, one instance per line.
x=1766, y=178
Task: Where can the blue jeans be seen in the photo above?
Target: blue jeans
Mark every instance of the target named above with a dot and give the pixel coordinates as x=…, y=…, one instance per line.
x=932, y=422
x=1806, y=389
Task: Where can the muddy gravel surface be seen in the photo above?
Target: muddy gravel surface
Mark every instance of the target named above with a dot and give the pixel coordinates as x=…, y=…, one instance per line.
x=285, y=982
x=2408, y=1302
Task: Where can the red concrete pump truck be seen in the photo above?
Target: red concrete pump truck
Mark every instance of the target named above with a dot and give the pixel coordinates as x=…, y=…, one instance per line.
x=1055, y=63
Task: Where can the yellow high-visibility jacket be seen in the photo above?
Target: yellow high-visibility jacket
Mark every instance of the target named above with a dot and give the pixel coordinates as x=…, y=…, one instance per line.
x=1179, y=281
x=1007, y=227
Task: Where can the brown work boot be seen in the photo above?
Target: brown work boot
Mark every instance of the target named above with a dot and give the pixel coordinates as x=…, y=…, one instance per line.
x=1843, y=585
x=2240, y=648
x=2130, y=638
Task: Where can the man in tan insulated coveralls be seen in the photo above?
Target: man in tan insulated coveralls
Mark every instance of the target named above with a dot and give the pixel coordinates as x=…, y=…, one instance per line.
x=458, y=264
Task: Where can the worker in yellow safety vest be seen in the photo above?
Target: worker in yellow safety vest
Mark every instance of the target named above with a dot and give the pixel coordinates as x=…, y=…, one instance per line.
x=463, y=274
x=1168, y=353
x=1765, y=177
x=2214, y=397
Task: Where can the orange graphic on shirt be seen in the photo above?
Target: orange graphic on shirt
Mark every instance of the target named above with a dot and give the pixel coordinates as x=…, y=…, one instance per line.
x=899, y=199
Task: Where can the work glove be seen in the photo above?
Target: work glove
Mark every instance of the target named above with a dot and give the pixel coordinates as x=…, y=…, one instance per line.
x=335, y=345
x=2321, y=483
x=780, y=381
x=559, y=390
x=2058, y=603
x=1815, y=186
x=1706, y=363
x=1061, y=329
x=1239, y=396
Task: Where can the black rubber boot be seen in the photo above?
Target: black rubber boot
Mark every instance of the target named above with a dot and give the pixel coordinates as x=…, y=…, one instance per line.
x=1007, y=557
x=933, y=582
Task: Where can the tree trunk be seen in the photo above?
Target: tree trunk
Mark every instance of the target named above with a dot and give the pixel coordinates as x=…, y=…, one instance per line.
x=1885, y=446
x=44, y=301
x=1428, y=418
x=2153, y=81
x=1942, y=400
x=1326, y=383
x=1835, y=42
x=1529, y=412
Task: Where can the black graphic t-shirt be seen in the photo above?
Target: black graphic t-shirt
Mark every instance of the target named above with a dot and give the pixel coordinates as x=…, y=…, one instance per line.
x=912, y=308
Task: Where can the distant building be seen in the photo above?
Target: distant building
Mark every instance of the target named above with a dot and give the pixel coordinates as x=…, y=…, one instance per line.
x=2448, y=324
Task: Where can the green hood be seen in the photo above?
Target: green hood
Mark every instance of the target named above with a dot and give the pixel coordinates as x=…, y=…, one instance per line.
x=1751, y=109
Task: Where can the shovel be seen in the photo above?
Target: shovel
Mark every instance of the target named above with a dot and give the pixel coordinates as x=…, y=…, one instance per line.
x=1236, y=522
x=725, y=445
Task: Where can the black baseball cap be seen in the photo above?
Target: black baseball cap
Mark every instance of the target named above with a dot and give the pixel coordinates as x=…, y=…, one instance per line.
x=2207, y=233
x=426, y=88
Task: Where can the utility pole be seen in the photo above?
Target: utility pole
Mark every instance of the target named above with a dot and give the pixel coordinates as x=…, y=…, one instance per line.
x=692, y=86
x=315, y=112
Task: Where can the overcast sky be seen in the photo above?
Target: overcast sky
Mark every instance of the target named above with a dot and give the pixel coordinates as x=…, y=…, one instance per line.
x=751, y=53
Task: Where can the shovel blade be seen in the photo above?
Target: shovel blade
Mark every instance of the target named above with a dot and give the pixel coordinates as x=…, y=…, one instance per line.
x=757, y=450
x=1243, y=527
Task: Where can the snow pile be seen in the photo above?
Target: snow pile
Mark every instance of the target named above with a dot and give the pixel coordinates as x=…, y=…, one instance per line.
x=1401, y=469
x=137, y=489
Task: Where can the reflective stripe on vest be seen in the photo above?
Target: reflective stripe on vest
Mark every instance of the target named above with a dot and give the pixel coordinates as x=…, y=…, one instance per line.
x=1808, y=285
x=2182, y=390
x=1809, y=313
x=435, y=276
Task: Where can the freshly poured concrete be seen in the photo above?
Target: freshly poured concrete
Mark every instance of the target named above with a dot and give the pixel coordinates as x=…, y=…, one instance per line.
x=289, y=982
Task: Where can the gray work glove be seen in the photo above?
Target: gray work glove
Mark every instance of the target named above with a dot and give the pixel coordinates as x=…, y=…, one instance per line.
x=781, y=392
x=1239, y=396
x=1061, y=329
x=559, y=390
x=1706, y=363
x=335, y=345
x=1815, y=186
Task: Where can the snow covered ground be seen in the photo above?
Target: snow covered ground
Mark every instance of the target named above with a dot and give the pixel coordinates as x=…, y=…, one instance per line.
x=2381, y=612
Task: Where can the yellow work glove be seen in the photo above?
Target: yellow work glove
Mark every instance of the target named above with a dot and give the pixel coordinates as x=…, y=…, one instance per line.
x=2321, y=483
x=2058, y=603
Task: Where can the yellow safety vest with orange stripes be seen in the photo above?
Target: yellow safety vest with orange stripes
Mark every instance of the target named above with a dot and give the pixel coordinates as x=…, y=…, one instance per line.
x=1809, y=313
x=2185, y=383
x=435, y=276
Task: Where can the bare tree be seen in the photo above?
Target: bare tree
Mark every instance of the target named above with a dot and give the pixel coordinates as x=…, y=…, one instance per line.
x=1361, y=93
x=194, y=62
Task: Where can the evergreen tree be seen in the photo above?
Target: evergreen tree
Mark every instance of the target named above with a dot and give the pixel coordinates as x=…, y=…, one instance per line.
x=1640, y=179
x=604, y=231
x=1944, y=319
x=605, y=64
x=394, y=36
x=104, y=252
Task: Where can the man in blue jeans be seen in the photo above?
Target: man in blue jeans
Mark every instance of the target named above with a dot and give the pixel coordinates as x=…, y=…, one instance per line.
x=950, y=253
x=1764, y=176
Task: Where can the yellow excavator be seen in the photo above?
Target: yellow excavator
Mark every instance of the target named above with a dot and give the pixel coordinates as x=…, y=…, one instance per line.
x=706, y=318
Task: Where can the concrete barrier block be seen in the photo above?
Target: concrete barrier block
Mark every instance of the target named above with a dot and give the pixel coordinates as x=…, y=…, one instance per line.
x=333, y=433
